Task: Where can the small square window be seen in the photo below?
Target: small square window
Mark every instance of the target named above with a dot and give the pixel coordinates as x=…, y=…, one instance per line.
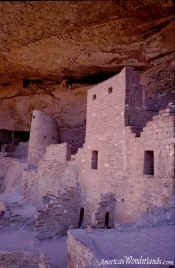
x=94, y=97
x=109, y=90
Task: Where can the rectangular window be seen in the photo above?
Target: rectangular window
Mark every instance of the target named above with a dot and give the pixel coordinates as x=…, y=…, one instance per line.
x=94, y=160
x=94, y=97
x=149, y=163
x=109, y=90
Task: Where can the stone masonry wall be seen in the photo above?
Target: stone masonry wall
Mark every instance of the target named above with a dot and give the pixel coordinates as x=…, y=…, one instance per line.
x=105, y=133
x=58, y=152
x=22, y=259
x=146, y=191
x=43, y=132
x=119, y=177
x=54, y=184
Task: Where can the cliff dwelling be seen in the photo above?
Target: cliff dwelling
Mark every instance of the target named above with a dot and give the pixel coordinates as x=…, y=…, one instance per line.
x=87, y=134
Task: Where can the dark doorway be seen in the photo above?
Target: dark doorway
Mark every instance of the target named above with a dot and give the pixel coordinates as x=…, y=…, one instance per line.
x=21, y=136
x=94, y=160
x=149, y=163
x=107, y=220
x=26, y=82
x=13, y=136
x=81, y=217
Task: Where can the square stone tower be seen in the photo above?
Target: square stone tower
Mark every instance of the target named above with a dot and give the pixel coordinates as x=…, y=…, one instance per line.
x=110, y=106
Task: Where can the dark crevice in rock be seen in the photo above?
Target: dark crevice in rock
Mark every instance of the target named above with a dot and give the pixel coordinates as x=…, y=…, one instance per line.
x=155, y=29
x=91, y=79
x=162, y=55
x=26, y=83
x=5, y=84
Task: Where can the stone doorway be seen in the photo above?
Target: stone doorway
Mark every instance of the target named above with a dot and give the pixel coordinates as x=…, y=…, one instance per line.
x=81, y=218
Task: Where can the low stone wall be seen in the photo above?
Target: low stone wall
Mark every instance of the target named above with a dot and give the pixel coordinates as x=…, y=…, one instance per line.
x=157, y=216
x=58, y=214
x=57, y=152
x=78, y=254
x=16, y=215
x=22, y=259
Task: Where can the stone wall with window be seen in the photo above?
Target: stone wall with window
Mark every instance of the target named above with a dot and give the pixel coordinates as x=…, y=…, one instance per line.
x=137, y=170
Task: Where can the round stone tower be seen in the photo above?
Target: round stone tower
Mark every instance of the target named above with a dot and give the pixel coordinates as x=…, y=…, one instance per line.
x=43, y=132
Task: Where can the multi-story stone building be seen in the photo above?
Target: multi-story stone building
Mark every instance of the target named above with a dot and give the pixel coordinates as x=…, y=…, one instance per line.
x=126, y=164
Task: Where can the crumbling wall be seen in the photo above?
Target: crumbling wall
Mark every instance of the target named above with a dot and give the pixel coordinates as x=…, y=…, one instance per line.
x=151, y=189
x=59, y=213
x=74, y=136
x=54, y=185
x=43, y=132
x=10, y=173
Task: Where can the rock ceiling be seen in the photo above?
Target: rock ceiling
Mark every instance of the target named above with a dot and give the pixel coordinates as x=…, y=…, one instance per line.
x=79, y=43
x=63, y=39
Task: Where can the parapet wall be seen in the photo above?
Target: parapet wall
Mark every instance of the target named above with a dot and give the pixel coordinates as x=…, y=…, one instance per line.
x=57, y=152
x=43, y=132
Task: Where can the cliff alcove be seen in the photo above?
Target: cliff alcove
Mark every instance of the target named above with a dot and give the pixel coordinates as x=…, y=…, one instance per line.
x=52, y=51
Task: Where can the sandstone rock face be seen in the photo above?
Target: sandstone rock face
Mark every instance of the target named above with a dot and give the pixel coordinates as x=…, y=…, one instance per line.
x=60, y=48
x=22, y=259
